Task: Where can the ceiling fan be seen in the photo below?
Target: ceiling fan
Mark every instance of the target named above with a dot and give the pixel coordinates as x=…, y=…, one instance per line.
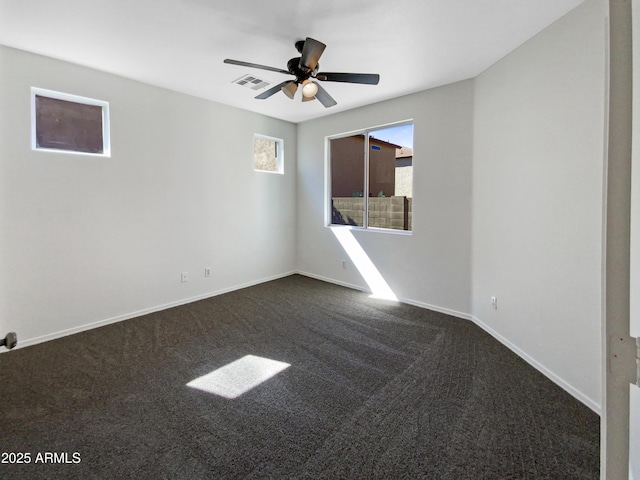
x=305, y=69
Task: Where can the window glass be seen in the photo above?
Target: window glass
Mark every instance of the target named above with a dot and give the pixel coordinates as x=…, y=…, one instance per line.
x=372, y=178
x=64, y=122
x=347, y=180
x=268, y=154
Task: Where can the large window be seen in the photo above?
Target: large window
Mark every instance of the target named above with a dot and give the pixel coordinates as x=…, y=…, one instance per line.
x=371, y=175
x=63, y=122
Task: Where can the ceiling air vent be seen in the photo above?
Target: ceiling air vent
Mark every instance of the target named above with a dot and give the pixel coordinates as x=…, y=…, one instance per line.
x=252, y=82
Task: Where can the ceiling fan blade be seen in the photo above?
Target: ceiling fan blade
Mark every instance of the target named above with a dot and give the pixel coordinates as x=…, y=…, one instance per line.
x=311, y=54
x=324, y=98
x=273, y=90
x=255, y=65
x=367, y=78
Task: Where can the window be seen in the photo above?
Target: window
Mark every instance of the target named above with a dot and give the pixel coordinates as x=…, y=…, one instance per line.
x=371, y=174
x=68, y=123
x=268, y=154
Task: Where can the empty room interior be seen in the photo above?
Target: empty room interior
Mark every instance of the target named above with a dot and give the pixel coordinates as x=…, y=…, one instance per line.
x=255, y=267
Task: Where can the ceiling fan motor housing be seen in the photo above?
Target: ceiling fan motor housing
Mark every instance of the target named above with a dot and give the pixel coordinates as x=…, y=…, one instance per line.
x=301, y=75
x=299, y=45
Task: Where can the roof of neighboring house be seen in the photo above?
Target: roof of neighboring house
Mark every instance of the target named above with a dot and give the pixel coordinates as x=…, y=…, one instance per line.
x=383, y=142
x=401, y=152
x=404, y=152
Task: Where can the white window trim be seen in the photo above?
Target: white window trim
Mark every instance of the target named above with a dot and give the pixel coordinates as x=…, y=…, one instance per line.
x=327, y=180
x=279, y=159
x=43, y=92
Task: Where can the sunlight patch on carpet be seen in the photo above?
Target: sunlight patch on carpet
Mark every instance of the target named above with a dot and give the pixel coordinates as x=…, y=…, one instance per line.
x=239, y=376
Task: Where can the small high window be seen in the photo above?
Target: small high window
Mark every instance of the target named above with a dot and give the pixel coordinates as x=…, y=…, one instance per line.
x=268, y=154
x=63, y=122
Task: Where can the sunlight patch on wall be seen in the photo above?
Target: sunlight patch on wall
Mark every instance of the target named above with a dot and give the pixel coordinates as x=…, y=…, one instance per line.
x=377, y=284
x=238, y=377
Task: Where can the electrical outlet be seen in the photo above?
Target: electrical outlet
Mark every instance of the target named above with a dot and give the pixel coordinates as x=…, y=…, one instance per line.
x=494, y=303
x=184, y=277
x=207, y=272
x=344, y=264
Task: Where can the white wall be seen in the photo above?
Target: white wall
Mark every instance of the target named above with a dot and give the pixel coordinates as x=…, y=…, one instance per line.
x=88, y=240
x=430, y=267
x=538, y=199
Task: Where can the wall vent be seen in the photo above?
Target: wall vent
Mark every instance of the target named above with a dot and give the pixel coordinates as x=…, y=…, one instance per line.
x=252, y=82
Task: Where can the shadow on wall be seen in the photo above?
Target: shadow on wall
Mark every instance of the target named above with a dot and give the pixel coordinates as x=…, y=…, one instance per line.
x=338, y=219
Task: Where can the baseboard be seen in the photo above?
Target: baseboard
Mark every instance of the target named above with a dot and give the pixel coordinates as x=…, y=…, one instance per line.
x=589, y=402
x=466, y=316
x=332, y=280
x=100, y=323
x=435, y=308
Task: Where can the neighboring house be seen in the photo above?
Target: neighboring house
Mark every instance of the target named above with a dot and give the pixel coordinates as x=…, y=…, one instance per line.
x=347, y=167
x=404, y=172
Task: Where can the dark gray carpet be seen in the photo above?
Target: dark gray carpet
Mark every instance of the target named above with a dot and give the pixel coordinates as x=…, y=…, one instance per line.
x=375, y=390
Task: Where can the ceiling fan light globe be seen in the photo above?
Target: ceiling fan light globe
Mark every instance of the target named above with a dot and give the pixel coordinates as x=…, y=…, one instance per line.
x=309, y=89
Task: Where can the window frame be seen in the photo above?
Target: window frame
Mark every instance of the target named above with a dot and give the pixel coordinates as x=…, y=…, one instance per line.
x=328, y=177
x=69, y=97
x=279, y=157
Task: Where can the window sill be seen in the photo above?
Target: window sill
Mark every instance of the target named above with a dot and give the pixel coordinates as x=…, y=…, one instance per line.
x=390, y=231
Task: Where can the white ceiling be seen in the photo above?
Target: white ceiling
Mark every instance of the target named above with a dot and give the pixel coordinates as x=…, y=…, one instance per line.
x=181, y=44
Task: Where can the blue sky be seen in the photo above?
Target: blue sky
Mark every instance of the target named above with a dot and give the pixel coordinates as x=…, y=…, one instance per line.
x=400, y=135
